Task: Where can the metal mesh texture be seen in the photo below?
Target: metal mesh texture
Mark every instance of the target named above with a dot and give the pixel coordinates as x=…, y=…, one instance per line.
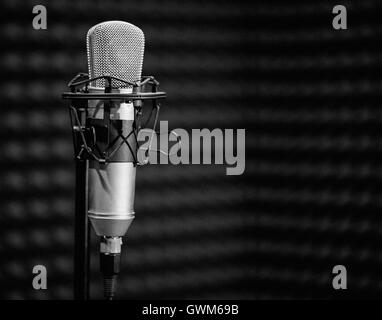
x=115, y=48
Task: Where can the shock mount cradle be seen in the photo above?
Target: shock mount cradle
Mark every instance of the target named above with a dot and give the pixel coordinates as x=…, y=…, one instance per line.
x=86, y=148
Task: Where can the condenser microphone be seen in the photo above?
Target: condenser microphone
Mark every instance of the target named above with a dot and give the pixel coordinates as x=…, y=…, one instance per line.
x=105, y=109
x=114, y=49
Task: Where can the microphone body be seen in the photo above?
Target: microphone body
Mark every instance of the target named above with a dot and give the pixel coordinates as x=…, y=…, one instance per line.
x=115, y=49
x=112, y=184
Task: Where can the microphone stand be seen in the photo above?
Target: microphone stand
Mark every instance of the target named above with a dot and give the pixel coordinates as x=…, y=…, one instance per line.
x=81, y=276
x=81, y=233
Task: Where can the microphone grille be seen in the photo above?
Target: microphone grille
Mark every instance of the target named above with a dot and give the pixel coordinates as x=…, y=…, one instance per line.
x=115, y=48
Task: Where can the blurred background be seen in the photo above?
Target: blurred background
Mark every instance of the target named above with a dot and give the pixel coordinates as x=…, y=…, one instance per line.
x=310, y=197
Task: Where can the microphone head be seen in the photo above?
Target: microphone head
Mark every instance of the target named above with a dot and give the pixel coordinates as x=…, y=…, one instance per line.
x=115, y=48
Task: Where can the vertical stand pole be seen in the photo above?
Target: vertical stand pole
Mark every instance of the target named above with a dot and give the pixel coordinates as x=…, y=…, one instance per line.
x=81, y=233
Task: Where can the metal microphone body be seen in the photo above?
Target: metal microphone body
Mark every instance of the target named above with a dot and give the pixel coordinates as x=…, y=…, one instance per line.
x=115, y=49
x=112, y=184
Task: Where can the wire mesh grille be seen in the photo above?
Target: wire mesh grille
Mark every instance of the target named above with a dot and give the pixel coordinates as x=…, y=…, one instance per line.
x=115, y=48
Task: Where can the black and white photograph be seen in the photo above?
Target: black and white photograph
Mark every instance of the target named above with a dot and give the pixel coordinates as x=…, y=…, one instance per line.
x=212, y=154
